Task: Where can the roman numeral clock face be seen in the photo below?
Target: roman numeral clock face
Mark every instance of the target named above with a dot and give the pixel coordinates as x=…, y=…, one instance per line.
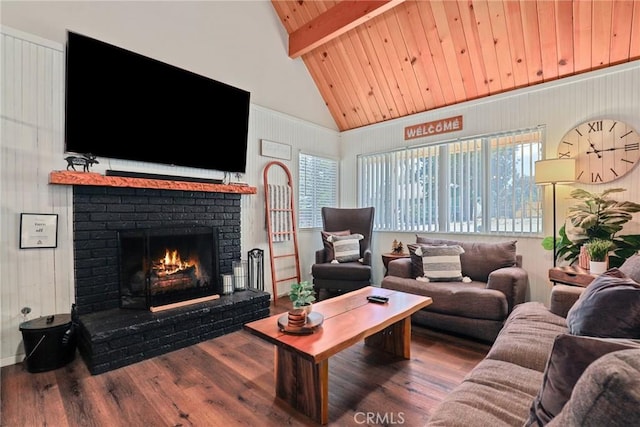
x=604, y=150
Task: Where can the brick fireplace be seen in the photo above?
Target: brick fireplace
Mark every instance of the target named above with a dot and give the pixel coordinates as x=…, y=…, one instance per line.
x=103, y=209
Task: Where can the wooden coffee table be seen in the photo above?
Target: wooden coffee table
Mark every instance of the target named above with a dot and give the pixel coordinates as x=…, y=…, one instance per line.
x=302, y=361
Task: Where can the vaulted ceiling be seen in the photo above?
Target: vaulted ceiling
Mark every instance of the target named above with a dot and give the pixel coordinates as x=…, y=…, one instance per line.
x=379, y=60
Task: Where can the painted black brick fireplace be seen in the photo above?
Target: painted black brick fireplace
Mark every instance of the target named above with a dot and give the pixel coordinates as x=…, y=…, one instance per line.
x=101, y=212
x=111, y=336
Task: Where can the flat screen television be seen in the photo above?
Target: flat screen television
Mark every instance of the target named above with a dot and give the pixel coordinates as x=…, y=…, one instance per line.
x=123, y=105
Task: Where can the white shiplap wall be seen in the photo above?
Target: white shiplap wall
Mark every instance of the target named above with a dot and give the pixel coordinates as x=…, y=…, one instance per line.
x=32, y=145
x=32, y=124
x=560, y=105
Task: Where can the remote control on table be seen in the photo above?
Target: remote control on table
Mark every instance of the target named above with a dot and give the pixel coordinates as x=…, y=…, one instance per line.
x=378, y=299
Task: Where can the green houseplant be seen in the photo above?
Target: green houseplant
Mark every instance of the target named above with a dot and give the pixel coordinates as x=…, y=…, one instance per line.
x=598, y=249
x=302, y=295
x=597, y=216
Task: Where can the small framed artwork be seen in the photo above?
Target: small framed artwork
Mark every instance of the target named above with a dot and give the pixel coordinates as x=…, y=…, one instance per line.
x=275, y=149
x=38, y=230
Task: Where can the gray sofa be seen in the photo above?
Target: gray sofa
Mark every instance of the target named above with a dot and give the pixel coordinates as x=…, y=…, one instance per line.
x=540, y=372
x=476, y=309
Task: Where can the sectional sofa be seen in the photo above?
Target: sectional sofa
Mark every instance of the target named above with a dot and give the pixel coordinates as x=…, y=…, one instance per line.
x=576, y=363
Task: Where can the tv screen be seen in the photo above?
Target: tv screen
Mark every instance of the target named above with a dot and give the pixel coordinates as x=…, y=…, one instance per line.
x=123, y=105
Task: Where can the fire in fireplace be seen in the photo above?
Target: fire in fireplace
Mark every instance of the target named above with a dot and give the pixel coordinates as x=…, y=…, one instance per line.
x=162, y=266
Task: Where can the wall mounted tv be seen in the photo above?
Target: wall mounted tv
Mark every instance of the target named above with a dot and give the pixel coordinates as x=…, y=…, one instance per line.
x=123, y=105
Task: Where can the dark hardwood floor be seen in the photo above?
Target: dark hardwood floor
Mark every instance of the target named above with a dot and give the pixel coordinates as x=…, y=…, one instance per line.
x=229, y=381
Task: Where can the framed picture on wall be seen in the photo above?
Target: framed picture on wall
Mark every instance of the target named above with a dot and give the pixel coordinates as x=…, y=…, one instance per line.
x=275, y=149
x=38, y=230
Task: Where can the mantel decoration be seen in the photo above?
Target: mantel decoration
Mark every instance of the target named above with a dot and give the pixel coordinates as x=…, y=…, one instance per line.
x=84, y=160
x=597, y=216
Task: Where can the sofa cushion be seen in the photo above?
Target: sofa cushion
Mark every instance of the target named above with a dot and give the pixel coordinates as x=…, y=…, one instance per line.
x=609, y=307
x=631, y=267
x=607, y=393
x=441, y=263
x=346, y=248
x=569, y=358
x=328, y=246
x=479, y=259
x=494, y=393
x=470, y=300
x=527, y=336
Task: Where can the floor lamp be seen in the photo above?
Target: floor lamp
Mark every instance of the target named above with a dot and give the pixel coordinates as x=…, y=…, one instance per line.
x=555, y=171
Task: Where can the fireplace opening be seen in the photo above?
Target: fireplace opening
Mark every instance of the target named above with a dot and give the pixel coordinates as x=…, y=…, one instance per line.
x=163, y=266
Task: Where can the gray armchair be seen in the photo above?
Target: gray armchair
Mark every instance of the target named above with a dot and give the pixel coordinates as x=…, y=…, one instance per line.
x=344, y=276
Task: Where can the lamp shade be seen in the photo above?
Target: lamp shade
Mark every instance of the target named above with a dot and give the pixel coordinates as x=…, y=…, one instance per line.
x=555, y=171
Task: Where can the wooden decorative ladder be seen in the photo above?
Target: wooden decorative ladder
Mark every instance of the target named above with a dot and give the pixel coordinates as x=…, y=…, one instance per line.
x=281, y=225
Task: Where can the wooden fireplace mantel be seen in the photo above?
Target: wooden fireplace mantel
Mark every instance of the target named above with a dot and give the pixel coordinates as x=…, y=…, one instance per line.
x=90, y=178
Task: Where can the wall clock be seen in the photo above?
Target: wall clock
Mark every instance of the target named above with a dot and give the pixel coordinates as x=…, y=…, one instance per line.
x=604, y=149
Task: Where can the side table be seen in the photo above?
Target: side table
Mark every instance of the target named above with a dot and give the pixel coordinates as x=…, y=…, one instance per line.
x=571, y=275
x=386, y=259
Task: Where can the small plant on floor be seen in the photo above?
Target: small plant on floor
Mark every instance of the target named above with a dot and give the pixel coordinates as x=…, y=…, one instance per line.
x=302, y=294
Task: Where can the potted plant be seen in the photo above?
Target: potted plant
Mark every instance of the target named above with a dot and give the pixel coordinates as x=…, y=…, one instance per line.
x=598, y=250
x=597, y=216
x=302, y=296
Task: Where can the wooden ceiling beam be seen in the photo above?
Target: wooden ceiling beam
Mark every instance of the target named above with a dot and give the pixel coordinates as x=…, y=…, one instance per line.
x=334, y=22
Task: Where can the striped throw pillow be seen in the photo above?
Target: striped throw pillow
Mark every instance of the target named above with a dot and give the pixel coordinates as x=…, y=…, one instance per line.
x=441, y=263
x=346, y=248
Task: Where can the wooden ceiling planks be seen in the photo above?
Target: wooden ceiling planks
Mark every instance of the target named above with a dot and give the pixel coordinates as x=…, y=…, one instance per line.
x=515, y=36
x=634, y=48
x=621, y=23
x=474, y=48
x=564, y=25
x=455, y=42
x=399, y=54
x=341, y=18
x=601, y=35
x=548, y=40
x=419, y=55
x=531, y=35
x=379, y=85
x=488, y=48
x=582, y=35
x=437, y=54
x=419, y=60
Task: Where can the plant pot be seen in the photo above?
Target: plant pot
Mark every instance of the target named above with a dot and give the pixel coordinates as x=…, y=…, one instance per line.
x=597, y=267
x=307, y=308
x=583, y=259
x=297, y=317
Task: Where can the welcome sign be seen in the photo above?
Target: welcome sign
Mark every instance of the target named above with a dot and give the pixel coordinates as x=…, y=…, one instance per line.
x=435, y=127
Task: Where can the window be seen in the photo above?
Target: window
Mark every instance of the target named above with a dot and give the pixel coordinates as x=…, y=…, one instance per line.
x=480, y=184
x=317, y=188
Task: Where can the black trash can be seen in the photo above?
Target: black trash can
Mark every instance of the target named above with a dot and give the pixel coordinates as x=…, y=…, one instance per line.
x=49, y=342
